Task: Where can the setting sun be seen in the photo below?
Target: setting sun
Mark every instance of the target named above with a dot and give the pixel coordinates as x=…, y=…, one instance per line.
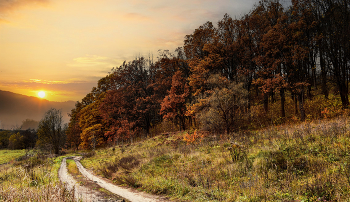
x=41, y=94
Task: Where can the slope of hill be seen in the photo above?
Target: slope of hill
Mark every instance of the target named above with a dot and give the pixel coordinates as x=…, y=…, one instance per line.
x=14, y=108
x=305, y=162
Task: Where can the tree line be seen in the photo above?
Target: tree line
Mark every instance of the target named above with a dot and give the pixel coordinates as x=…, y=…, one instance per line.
x=225, y=76
x=49, y=134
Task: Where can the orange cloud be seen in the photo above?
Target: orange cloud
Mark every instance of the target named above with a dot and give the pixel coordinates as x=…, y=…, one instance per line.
x=45, y=81
x=9, y=6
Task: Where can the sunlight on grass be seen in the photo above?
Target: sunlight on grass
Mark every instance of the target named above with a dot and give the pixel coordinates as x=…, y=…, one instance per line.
x=72, y=167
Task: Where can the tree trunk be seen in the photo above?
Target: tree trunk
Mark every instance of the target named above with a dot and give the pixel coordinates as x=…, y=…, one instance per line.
x=227, y=129
x=57, y=149
x=295, y=99
x=323, y=76
x=283, y=99
x=343, y=94
x=183, y=123
x=341, y=83
x=266, y=102
x=309, y=94
x=301, y=105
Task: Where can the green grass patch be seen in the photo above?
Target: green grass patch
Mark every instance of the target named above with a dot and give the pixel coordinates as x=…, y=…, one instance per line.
x=10, y=155
x=72, y=167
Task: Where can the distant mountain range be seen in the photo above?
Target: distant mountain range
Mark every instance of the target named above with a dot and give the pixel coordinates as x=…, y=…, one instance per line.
x=15, y=108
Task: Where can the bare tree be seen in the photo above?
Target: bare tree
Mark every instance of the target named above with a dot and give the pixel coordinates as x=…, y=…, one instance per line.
x=51, y=130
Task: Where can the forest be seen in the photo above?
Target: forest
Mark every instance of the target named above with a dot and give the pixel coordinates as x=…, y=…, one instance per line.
x=273, y=65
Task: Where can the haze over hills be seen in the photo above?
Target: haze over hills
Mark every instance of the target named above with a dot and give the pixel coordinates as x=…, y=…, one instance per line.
x=15, y=108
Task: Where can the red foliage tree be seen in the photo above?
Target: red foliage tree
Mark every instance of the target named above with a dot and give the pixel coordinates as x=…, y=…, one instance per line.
x=173, y=106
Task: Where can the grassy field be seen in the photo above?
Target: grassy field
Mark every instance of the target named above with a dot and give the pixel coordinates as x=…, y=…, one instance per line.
x=306, y=162
x=32, y=178
x=9, y=155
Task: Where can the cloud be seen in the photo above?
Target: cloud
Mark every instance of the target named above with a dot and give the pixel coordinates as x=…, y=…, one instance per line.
x=8, y=6
x=46, y=81
x=93, y=65
x=136, y=17
x=93, y=60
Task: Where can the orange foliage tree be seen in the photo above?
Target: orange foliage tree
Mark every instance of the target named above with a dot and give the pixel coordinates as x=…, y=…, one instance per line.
x=173, y=106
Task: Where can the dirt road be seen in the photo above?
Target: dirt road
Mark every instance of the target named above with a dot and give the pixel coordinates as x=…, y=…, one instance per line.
x=89, y=195
x=80, y=192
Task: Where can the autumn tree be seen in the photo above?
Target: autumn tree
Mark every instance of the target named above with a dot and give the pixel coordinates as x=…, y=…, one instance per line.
x=334, y=27
x=16, y=141
x=196, y=50
x=133, y=103
x=114, y=114
x=85, y=125
x=222, y=106
x=51, y=130
x=74, y=130
x=173, y=106
x=92, y=126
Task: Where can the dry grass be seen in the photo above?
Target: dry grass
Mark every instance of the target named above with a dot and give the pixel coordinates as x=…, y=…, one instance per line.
x=33, y=178
x=305, y=162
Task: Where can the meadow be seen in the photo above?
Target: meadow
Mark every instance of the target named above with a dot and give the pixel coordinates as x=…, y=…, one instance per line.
x=305, y=162
x=32, y=176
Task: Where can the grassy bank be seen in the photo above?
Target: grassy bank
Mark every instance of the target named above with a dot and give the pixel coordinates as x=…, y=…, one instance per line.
x=32, y=178
x=308, y=162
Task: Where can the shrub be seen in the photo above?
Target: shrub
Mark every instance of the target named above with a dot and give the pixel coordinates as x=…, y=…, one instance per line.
x=193, y=138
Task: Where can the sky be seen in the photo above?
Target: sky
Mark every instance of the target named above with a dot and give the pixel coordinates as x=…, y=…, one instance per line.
x=63, y=47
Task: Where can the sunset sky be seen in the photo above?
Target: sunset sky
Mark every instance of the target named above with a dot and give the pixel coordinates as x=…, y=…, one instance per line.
x=63, y=47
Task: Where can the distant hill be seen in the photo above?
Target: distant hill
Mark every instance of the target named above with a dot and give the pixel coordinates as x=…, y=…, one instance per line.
x=15, y=108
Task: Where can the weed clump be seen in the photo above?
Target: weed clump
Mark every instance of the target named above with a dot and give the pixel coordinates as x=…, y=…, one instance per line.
x=237, y=151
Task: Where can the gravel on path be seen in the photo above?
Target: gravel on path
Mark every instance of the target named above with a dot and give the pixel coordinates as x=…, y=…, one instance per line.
x=81, y=193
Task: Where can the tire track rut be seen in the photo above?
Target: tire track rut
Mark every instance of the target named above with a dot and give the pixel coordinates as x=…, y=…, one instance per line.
x=80, y=192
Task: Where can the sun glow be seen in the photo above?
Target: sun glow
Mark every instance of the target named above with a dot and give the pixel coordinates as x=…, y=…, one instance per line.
x=41, y=94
